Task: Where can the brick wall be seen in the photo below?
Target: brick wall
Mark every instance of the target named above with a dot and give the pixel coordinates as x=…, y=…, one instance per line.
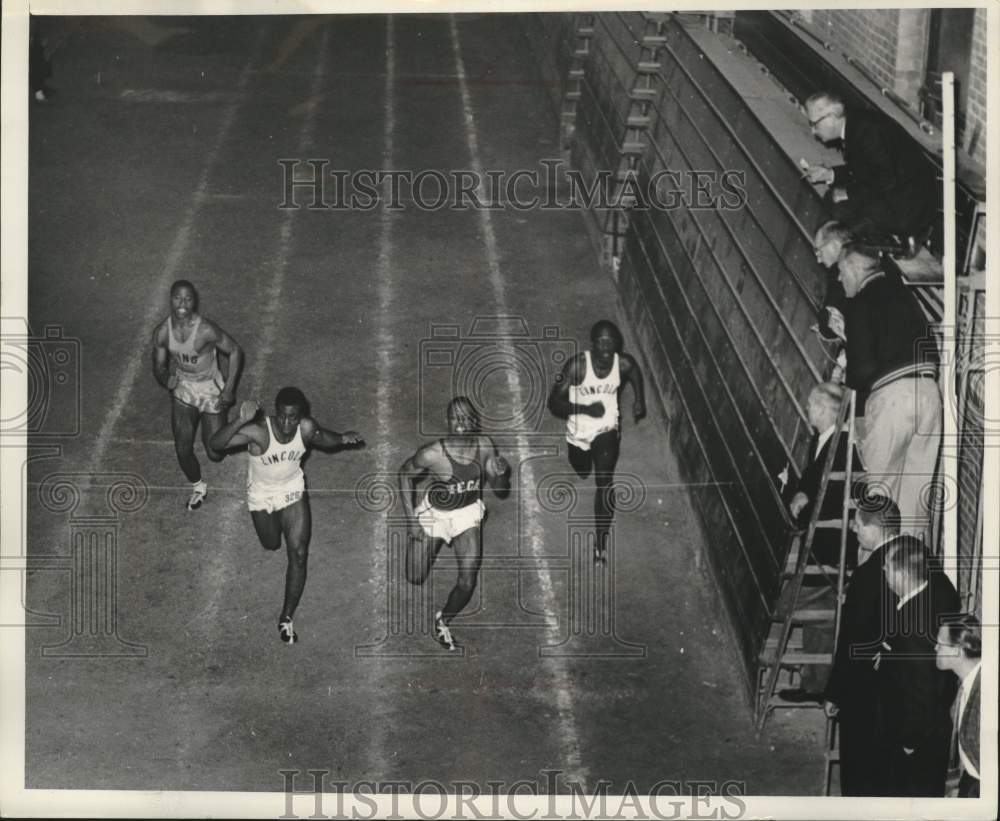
x=870, y=36
x=891, y=44
x=975, y=132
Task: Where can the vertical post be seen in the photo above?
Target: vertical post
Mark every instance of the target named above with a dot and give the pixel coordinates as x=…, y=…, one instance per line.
x=949, y=461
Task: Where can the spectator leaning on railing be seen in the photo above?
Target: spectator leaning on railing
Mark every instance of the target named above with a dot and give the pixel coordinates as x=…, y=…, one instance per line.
x=892, y=362
x=886, y=186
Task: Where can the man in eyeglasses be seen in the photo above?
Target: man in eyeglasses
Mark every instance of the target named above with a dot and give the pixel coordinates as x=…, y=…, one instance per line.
x=886, y=186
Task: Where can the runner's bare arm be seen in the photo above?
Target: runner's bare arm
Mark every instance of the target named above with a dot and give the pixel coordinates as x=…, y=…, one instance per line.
x=241, y=430
x=161, y=357
x=412, y=471
x=632, y=374
x=496, y=467
x=231, y=348
x=319, y=437
x=573, y=373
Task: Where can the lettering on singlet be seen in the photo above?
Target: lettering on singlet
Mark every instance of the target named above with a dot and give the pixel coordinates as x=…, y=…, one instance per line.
x=464, y=487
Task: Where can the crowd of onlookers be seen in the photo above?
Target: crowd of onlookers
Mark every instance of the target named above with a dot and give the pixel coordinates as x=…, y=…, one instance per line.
x=904, y=649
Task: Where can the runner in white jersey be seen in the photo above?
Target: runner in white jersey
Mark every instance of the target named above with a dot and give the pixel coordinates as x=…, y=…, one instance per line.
x=276, y=494
x=449, y=472
x=186, y=362
x=586, y=394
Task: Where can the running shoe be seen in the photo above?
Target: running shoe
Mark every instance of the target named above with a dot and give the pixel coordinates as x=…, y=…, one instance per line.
x=285, y=631
x=441, y=632
x=198, y=493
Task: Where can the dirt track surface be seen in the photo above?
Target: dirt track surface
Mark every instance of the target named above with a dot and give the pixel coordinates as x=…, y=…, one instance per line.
x=158, y=159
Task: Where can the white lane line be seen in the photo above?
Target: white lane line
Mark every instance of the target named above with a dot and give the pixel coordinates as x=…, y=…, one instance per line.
x=178, y=250
x=568, y=736
x=273, y=306
x=385, y=349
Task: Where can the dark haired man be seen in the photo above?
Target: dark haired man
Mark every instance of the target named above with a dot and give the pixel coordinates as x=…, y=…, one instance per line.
x=959, y=648
x=586, y=394
x=917, y=694
x=276, y=494
x=852, y=692
x=451, y=510
x=191, y=343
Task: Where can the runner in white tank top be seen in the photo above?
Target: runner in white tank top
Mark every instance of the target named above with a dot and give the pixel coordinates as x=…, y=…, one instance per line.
x=189, y=345
x=274, y=478
x=279, y=505
x=582, y=428
x=586, y=393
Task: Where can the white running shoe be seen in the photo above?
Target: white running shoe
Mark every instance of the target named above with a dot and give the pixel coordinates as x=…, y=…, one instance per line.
x=441, y=632
x=285, y=631
x=199, y=490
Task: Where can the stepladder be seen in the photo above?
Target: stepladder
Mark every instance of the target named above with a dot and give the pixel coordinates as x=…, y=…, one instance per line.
x=798, y=652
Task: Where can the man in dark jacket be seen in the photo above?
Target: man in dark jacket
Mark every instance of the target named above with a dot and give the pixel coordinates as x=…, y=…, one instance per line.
x=823, y=410
x=917, y=696
x=852, y=693
x=892, y=362
x=886, y=184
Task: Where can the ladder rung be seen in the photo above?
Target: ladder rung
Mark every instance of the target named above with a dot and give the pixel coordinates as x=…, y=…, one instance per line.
x=777, y=701
x=585, y=31
x=654, y=39
x=642, y=93
x=771, y=642
x=813, y=570
x=803, y=616
x=814, y=616
x=633, y=148
x=638, y=121
x=572, y=95
x=795, y=658
x=576, y=73
x=647, y=67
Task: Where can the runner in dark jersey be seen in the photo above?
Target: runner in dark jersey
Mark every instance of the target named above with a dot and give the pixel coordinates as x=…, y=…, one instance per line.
x=449, y=473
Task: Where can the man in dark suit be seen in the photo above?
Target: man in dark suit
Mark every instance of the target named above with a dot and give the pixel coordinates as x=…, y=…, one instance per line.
x=886, y=185
x=822, y=408
x=917, y=696
x=959, y=649
x=852, y=693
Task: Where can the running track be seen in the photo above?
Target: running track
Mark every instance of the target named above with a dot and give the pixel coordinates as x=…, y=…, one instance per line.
x=158, y=160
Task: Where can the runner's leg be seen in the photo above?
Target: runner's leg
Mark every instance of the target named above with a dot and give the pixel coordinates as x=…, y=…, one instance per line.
x=184, y=422
x=420, y=556
x=580, y=460
x=468, y=547
x=605, y=455
x=268, y=527
x=210, y=423
x=296, y=524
